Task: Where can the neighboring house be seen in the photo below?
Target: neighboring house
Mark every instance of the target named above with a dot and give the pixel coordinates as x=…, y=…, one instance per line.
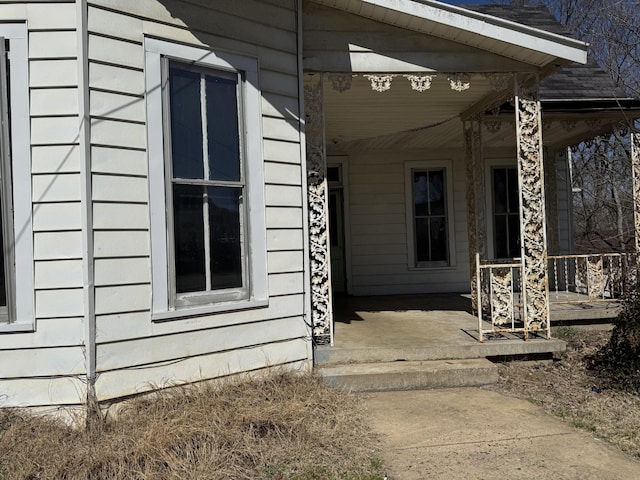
x=167, y=212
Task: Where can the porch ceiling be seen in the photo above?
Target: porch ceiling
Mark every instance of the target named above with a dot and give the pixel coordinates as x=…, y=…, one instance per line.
x=361, y=115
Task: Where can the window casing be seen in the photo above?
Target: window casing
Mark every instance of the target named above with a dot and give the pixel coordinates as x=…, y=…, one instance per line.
x=208, y=236
x=429, y=209
x=16, y=282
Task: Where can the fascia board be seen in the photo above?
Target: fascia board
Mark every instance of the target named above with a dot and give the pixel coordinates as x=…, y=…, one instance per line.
x=479, y=24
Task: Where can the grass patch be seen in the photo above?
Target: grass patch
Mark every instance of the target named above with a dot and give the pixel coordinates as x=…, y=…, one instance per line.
x=279, y=427
x=570, y=390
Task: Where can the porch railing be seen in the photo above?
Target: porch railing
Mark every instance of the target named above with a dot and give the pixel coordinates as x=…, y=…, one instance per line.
x=573, y=279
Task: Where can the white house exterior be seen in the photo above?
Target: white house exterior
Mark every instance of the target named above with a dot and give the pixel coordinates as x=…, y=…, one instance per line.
x=165, y=210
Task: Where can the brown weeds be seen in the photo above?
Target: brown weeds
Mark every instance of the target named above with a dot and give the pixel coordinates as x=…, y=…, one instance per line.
x=279, y=427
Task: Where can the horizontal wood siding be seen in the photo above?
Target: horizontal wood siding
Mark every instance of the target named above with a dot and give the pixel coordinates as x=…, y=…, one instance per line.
x=46, y=367
x=379, y=259
x=133, y=351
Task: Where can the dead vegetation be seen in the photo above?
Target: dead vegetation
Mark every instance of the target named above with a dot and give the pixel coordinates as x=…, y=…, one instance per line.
x=569, y=389
x=280, y=427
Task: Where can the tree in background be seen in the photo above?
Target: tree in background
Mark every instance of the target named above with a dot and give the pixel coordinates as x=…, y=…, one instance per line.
x=603, y=202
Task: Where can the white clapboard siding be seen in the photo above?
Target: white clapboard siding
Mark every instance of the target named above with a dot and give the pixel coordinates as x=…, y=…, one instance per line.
x=282, y=174
x=284, y=239
x=55, y=159
x=53, y=217
x=118, y=133
x=60, y=44
x=43, y=362
x=122, y=298
x=122, y=271
x=120, y=216
x=285, y=152
x=57, y=332
x=117, y=107
x=121, y=243
x=284, y=217
x=57, y=245
x=126, y=335
x=54, y=101
x=51, y=15
x=165, y=348
x=283, y=196
x=119, y=326
x=56, y=188
x=378, y=227
x=116, y=79
x=60, y=302
x=55, y=130
x=53, y=73
x=109, y=50
x=118, y=161
x=32, y=392
x=121, y=382
x=54, y=274
x=113, y=188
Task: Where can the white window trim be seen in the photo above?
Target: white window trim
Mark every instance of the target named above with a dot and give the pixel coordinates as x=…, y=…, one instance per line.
x=23, y=280
x=409, y=167
x=489, y=166
x=155, y=50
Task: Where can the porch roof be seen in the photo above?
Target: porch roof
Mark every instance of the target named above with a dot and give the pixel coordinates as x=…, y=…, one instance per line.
x=520, y=42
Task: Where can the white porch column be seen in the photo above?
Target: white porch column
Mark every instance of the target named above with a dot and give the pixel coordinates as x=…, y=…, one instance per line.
x=476, y=220
x=320, y=261
x=533, y=239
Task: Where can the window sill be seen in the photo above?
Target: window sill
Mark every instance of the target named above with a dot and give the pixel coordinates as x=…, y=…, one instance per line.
x=189, y=312
x=17, y=328
x=431, y=268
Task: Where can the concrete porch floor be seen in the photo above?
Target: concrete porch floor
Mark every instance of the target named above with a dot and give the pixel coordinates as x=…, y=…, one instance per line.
x=433, y=327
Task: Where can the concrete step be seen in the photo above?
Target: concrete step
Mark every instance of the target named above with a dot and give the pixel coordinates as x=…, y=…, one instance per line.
x=412, y=375
x=326, y=355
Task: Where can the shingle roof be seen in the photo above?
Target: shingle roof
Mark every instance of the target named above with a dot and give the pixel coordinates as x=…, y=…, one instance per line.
x=575, y=82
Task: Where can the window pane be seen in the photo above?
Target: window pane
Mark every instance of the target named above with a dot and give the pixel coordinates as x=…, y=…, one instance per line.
x=188, y=235
x=501, y=236
x=438, y=236
x=500, y=194
x=186, y=123
x=514, y=235
x=422, y=240
x=514, y=200
x=421, y=193
x=225, y=236
x=436, y=192
x=222, y=129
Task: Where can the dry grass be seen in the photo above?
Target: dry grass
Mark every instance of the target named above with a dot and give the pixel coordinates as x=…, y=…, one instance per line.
x=280, y=427
x=568, y=389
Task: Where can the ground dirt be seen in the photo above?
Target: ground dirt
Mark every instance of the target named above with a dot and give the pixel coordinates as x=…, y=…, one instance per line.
x=567, y=388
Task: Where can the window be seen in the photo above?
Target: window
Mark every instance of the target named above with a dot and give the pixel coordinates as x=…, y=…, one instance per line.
x=506, y=217
x=206, y=183
x=16, y=239
x=429, y=208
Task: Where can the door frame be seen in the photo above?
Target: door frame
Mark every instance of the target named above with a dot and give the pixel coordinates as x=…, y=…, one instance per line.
x=341, y=161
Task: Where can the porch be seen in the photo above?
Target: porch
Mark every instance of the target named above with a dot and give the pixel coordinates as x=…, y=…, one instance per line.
x=437, y=327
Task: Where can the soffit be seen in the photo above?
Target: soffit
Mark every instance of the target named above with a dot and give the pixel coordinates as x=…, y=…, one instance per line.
x=509, y=39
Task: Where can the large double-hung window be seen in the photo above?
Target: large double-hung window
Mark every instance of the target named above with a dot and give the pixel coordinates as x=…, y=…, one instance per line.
x=206, y=181
x=16, y=239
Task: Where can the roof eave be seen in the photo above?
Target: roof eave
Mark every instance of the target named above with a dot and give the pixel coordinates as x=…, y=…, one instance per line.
x=557, y=47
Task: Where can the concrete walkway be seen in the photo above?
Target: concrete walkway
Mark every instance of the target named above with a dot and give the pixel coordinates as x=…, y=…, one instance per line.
x=471, y=433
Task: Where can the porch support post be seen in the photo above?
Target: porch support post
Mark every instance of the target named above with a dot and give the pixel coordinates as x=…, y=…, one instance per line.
x=320, y=262
x=635, y=169
x=476, y=221
x=535, y=282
